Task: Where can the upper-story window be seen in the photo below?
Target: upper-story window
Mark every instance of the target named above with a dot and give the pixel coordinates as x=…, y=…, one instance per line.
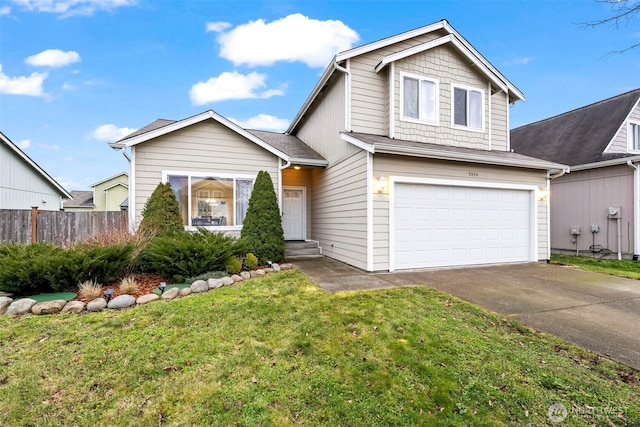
x=419, y=99
x=634, y=136
x=468, y=108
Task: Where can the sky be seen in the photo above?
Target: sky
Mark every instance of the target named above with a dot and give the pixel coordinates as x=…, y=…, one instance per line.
x=77, y=74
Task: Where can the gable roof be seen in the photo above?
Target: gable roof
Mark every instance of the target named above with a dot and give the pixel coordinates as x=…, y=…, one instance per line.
x=286, y=147
x=79, y=199
x=110, y=178
x=452, y=37
x=385, y=145
x=37, y=169
x=579, y=136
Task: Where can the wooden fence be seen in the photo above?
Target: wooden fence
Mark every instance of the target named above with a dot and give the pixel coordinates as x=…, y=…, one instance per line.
x=58, y=227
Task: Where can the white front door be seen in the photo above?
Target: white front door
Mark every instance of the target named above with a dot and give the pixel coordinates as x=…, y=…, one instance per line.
x=293, y=213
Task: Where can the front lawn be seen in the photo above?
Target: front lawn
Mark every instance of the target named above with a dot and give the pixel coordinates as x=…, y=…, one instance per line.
x=280, y=351
x=623, y=268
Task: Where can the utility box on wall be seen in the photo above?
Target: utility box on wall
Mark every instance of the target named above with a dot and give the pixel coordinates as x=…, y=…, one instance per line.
x=615, y=212
x=575, y=230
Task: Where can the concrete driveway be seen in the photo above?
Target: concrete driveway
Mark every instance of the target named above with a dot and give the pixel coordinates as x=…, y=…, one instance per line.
x=595, y=311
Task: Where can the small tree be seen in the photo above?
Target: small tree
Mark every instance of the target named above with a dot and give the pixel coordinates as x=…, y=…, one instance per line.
x=262, y=232
x=161, y=214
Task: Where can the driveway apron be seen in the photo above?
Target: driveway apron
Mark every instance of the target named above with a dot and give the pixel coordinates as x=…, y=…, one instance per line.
x=595, y=311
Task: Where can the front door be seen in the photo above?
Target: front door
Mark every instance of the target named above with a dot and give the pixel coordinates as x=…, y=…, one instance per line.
x=293, y=211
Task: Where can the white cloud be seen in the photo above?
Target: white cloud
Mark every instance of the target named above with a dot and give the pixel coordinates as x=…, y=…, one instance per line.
x=31, y=85
x=68, y=86
x=519, y=61
x=231, y=86
x=51, y=147
x=264, y=122
x=53, y=58
x=66, y=8
x=111, y=133
x=217, y=27
x=5, y=10
x=292, y=38
x=25, y=143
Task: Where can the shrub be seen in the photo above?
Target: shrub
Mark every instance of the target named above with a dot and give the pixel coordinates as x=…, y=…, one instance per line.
x=89, y=289
x=186, y=254
x=262, y=232
x=251, y=261
x=234, y=265
x=129, y=285
x=161, y=213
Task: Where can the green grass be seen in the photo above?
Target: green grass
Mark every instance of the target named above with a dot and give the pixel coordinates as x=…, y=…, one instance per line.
x=623, y=268
x=280, y=351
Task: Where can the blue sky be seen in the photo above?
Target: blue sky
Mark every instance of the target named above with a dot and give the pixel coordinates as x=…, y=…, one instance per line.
x=76, y=74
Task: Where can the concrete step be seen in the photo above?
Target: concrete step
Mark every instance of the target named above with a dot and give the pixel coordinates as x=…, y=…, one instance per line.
x=300, y=248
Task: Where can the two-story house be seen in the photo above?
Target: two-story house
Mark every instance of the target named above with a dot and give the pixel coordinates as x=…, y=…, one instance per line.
x=398, y=159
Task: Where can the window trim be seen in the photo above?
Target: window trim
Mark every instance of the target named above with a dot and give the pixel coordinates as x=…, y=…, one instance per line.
x=420, y=78
x=200, y=174
x=630, y=125
x=466, y=88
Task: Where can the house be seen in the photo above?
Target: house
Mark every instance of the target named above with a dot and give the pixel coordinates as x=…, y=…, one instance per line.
x=24, y=184
x=109, y=194
x=595, y=208
x=399, y=158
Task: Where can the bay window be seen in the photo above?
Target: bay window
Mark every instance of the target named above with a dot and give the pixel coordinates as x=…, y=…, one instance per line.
x=211, y=200
x=468, y=108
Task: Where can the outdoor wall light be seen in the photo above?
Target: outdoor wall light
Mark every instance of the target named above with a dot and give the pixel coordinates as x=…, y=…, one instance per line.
x=381, y=184
x=297, y=168
x=108, y=294
x=543, y=194
x=162, y=286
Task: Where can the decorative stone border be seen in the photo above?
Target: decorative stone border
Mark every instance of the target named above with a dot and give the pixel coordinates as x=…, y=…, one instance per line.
x=30, y=306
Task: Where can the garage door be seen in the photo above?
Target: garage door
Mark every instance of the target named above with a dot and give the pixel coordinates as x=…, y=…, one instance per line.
x=436, y=226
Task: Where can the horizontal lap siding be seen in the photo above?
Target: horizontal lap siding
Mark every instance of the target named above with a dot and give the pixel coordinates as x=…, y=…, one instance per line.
x=582, y=198
x=203, y=147
x=387, y=165
x=339, y=210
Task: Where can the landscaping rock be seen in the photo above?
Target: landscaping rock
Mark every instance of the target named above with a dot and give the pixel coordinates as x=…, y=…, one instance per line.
x=286, y=266
x=215, y=283
x=20, y=306
x=48, y=307
x=257, y=273
x=121, y=301
x=245, y=275
x=74, y=307
x=145, y=299
x=227, y=281
x=276, y=267
x=268, y=270
x=4, y=303
x=170, y=294
x=199, y=286
x=186, y=291
x=97, y=304
x=237, y=278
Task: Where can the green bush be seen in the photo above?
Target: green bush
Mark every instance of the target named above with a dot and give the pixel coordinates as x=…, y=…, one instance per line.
x=262, y=232
x=251, y=261
x=186, y=254
x=233, y=266
x=161, y=213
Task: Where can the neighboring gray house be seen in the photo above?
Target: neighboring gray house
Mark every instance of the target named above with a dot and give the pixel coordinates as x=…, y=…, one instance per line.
x=601, y=143
x=400, y=158
x=23, y=184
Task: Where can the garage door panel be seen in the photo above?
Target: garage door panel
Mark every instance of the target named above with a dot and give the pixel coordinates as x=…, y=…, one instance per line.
x=450, y=225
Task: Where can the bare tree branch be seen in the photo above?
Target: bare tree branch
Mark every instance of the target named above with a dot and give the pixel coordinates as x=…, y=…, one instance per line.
x=624, y=11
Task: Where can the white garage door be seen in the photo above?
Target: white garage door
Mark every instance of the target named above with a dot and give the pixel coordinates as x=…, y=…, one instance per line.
x=438, y=226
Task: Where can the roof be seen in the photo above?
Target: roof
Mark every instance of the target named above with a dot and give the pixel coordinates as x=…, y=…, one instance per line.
x=288, y=148
x=79, y=199
x=111, y=177
x=385, y=145
x=452, y=37
x=34, y=166
x=579, y=136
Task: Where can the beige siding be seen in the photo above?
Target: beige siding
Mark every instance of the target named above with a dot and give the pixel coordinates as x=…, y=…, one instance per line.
x=619, y=143
x=582, y=199
x=339, y=210
x=387, y=165
x=300, y=178
x=322, y=126
x=499, y=122
x=203, y=147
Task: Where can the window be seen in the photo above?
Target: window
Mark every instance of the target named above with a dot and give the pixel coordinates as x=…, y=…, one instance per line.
x=211, y=200
x=419, y=99
x=634, y=136
x=468, y=108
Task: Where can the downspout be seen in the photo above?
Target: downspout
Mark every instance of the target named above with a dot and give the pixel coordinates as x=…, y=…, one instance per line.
x=636, y=210
x=281, y=167
x=130, y=212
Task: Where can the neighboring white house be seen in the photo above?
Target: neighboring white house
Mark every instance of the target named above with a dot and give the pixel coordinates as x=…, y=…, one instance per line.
x=24, y=184
x=399, y=158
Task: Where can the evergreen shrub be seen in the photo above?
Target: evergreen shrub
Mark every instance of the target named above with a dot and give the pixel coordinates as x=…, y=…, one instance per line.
x=161, y=213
